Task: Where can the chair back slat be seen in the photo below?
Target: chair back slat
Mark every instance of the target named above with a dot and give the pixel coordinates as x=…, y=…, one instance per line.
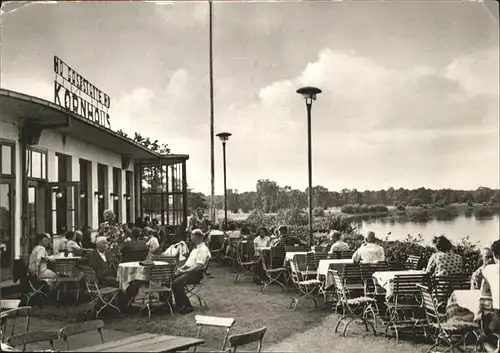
x=413, y=262
x=443, y=286
x=367, y=270
x=405, y=284
x=320, y=249
x=246, y=251
x=346, y=254
x=352, y=274
x=66, y=267
x=216, y=241
x=300, y=261
x=167, y=259
x=160, y=273
x=33, y=337
x=318, y=256
x=80, y=327
x=310, y=262
x=242, y=339
x=396, y=266
x=274, y=258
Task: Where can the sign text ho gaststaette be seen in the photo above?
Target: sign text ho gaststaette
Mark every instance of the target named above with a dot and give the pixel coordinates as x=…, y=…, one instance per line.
x=75, y=93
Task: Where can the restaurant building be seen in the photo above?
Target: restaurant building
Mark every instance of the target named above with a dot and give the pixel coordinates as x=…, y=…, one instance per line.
x=60, y=169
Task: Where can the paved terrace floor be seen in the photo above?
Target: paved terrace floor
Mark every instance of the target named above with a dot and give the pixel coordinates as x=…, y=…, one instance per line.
x=305, y=329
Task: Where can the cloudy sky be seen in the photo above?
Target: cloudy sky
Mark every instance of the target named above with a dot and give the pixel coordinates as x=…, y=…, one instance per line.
x=410, y=89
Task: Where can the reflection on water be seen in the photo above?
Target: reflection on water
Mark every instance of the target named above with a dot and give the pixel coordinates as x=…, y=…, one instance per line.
x=483, y=231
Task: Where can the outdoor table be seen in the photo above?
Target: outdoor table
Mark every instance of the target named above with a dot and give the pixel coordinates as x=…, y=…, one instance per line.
x=385, y=279
x=61, y=261
x=466, y=304
x=330, y=264
x=146, y=342
x=132, y=271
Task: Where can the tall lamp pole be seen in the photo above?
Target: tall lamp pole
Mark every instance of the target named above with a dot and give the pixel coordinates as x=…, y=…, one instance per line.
x=309, y=93
x=212, y=138
x=224, y=136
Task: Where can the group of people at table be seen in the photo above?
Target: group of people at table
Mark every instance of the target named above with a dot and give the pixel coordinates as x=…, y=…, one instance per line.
x=112, y=247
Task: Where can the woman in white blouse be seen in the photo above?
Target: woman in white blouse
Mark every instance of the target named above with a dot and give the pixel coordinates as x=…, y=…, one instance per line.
x=39, y=259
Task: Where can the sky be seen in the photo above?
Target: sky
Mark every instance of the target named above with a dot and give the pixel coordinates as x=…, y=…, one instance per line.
x=410, y=89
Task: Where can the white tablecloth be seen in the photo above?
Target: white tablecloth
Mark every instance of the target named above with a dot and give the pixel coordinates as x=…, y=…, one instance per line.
x=385, y=279
x=132, y=271
x=324, y=265
x=290, y=255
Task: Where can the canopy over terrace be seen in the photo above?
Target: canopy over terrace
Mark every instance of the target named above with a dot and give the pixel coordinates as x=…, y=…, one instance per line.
x=29, y=114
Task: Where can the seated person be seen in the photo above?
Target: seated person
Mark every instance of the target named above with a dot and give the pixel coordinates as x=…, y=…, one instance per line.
x=490, y=288
x=72, y=245
x=135, y=249
x=153, y=244
x=191, y=272
x=39, y=259
x=369, y=252
x=285, y=239
x=87, y=238
x=444, y=262
x=476, y=279
x=261, y=241
x=100, y=261
x=338, y=243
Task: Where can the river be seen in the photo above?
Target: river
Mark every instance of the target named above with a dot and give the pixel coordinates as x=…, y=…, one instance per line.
x=482, y=231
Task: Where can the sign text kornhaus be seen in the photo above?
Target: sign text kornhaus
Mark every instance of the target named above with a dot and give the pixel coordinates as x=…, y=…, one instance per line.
x=75, y=93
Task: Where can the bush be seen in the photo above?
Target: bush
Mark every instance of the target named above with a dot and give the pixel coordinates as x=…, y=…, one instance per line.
x=400, y=207
x=470, y=204
x=348, y=209
x=318, y=212
x=483, y=212
x=363, y=208
x=416, y=202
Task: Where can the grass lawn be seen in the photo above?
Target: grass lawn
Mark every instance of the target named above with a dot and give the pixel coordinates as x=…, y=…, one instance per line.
x=243, y=301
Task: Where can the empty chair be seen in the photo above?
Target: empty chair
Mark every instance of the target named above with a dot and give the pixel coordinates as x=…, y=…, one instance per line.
x=214, y=321
x=243, y=339
x=160, y=279
x=413, y=262
x=13, y=314
x=75, y=329
x=367, y=271
x=33, y=337
x=443, y=287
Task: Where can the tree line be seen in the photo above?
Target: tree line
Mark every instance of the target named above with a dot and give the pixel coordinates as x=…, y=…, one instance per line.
x=270, y=197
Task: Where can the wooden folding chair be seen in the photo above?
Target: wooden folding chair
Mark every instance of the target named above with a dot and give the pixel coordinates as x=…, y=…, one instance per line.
x=159, y=279
x=214, y=321
x=413, y=262
x=68, y=275
x=443, y=331
x=103, y=297
x=302, y=280
x=246, y=260
x=216, y=246
x=372, y=289
x=352, y=309
x=33, y=337
x=75, y=329
x=405, y=303
x=351, y=277
x=273, y=263
x=14, y=314
x=243, y=339
x=442, y=287
x=31, y=286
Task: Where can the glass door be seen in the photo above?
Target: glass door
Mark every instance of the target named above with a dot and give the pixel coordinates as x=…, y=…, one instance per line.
x=64, y=205
x=6, y=229
x=32, y=212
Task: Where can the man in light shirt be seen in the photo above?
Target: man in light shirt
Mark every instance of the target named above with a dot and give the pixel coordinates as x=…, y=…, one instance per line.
x=262, y=241
x=191, y=272
x=369, y=253
x=338, y=243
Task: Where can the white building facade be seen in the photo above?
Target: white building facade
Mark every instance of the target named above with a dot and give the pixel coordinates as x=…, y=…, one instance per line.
x=60, y=171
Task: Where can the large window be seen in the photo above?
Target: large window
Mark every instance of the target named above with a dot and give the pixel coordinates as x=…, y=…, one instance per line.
x=7, y=183
x=36, y=163
x=162, y=193
x=102, y=186
x=117, y=187
x=85, y=195
x=129, y=191
x=64, y=205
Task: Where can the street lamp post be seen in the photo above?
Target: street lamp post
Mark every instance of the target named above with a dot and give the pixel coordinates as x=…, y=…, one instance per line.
x=309, y=93
x=224, y=136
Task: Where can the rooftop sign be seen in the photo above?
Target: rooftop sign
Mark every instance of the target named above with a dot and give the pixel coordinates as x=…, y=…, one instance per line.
x=75, y=93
